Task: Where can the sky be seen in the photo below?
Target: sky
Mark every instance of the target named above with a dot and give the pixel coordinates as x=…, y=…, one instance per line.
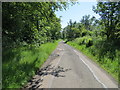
x=76, y=12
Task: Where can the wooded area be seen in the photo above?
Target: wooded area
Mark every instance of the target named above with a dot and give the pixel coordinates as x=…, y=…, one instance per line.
x=30, y=23
x=108, y=26
x=30, y=31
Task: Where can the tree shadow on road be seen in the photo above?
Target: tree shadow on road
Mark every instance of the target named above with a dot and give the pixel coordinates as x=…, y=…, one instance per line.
x=51, y=70
x=36, y=81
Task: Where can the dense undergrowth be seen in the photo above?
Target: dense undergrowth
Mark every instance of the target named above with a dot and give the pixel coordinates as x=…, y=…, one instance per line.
x=105, y=55
x=20, y=64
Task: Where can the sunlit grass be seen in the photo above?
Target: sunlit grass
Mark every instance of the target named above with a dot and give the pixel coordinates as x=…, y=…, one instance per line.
x=20, y=64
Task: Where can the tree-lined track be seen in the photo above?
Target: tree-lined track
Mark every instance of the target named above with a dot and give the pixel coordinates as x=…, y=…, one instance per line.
x=70, y=69
x=32, y=30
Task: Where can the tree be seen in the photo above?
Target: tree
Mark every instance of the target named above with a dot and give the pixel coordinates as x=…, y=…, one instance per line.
x=72, y=31
x=109, y=12
x=86, y=21
x=30, y=22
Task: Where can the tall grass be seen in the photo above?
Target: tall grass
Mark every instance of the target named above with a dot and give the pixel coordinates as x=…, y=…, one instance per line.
x=20, y=64
x=111, y=66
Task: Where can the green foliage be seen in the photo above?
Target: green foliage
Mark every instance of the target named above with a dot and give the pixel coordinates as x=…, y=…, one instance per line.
x=72, y=31
x=86, y=40
x=33, y=23
x=20, y=64
x=109, y=12
x=87, y=22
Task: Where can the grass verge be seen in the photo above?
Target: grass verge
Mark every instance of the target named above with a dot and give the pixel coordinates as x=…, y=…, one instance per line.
x=20, y=64
x=111, y=67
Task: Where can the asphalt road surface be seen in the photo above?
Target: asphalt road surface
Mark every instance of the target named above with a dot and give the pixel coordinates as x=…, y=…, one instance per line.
x=69, y=68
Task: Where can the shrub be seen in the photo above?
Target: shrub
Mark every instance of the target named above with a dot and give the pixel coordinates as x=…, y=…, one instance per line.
x=86, y=40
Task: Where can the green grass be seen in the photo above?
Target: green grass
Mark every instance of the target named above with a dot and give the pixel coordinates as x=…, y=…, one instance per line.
x=20, y=64
x=108, y=65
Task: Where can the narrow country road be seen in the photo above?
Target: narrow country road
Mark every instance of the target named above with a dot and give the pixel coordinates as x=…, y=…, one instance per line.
x=69, y=68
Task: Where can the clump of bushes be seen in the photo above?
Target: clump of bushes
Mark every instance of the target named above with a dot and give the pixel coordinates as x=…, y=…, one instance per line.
x=86, y=40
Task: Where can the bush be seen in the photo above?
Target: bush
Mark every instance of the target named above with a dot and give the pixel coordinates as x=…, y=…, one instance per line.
x=86, y=40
